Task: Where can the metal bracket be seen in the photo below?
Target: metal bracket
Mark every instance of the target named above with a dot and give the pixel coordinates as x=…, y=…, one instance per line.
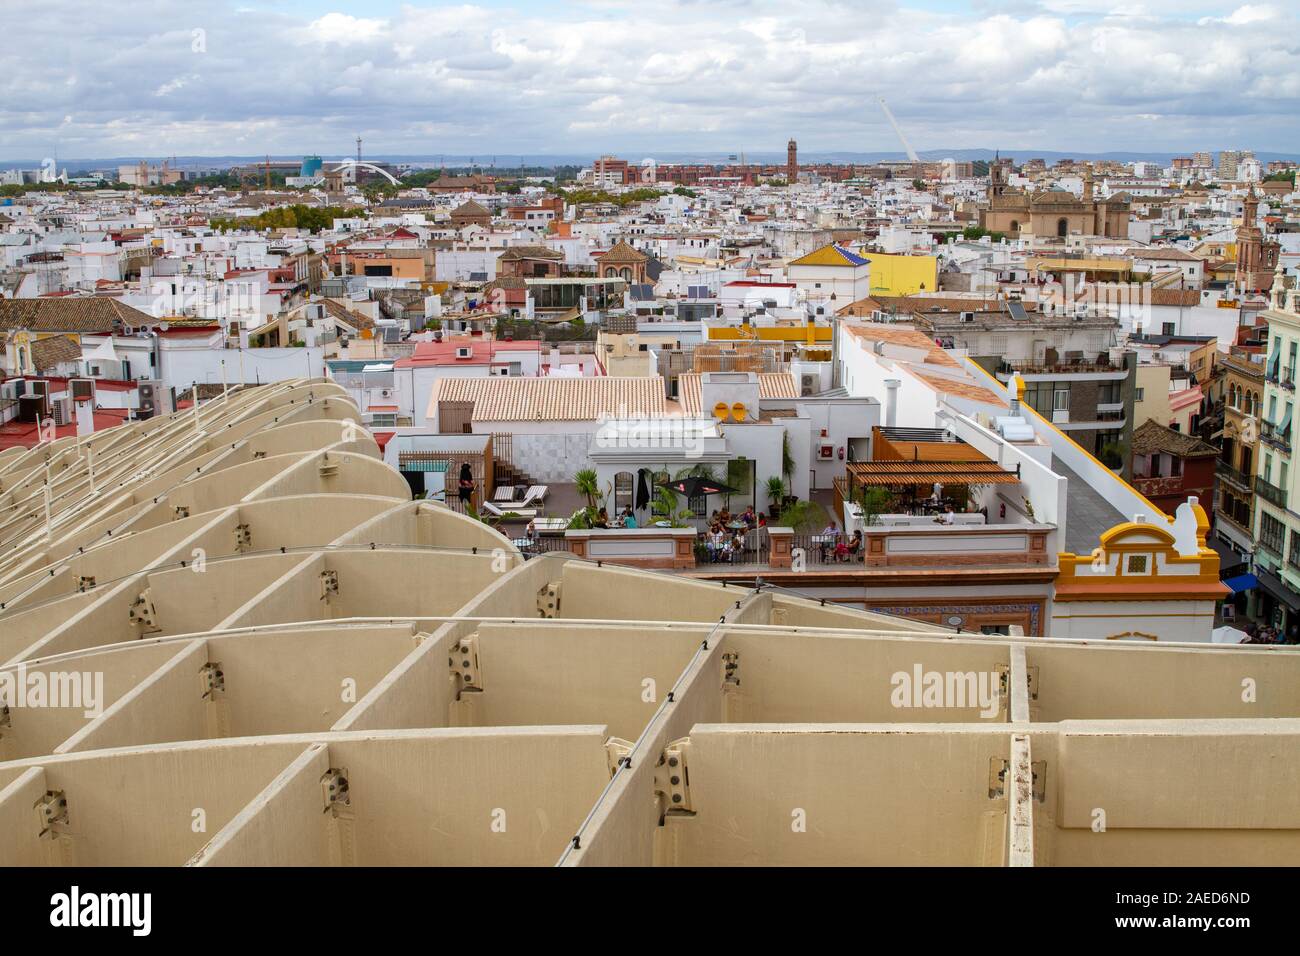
x=730, y=665
x=334, y=789
x=327, y=468
x=258, y=454
x=548, y=600
x=243, y=538
x=6, y=719
x=85, y=582
x=673, y=779
x=464, y=666
x=212, y=680
x=329, y=585
x=143, y=614
x=998, y=770
x=618, y=752
x=180, y=511
x=51, y=809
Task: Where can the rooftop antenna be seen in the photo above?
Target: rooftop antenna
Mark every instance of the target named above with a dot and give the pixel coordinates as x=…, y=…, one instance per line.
x=358, y=150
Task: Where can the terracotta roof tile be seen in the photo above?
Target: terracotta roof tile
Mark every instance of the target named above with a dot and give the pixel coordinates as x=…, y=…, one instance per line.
x=505, y=399
x=770, y=385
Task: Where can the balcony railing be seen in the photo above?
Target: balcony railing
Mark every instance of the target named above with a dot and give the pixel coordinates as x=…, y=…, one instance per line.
x=1231, y=474
x=1270, y=493
x=1270, y=434
x=1288, y=379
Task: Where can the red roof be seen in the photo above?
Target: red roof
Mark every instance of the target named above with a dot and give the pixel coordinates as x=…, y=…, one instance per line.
x=382, y=438
x=482, y=352
x=24, y=434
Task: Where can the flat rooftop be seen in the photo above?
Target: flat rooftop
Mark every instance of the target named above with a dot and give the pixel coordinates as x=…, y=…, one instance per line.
x=252, y=617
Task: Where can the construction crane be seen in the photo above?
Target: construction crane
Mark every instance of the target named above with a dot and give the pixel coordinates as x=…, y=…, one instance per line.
x=911, y=153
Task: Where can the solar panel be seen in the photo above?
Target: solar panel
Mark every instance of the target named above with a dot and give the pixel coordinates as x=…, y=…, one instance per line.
x=642, y=292
x=697, y=292
x=1017, y=309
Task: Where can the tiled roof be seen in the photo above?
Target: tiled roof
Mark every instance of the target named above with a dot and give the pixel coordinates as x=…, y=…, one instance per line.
x=621, y=252
x=502, y=398
x=770, y=385
x=831, y=255
x=1186, y=297
x=1163, y=255
x=469, y=208
x=1151, y=436
x=69, y=314
x=899, y=335
x=960, y=389
x=529, y=252
x=358, y=320
x=47, y=353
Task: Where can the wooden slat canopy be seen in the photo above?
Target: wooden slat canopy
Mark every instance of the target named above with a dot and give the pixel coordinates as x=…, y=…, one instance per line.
x=897, y=474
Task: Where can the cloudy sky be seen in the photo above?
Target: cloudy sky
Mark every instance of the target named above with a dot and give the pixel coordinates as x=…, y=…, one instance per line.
x=81, y=78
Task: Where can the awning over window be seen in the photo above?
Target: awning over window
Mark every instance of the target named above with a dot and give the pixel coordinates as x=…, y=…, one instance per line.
x=1242, y=582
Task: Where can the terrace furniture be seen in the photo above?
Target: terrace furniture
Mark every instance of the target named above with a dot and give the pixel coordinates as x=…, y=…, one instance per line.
x=535, y=495
x=521, y=514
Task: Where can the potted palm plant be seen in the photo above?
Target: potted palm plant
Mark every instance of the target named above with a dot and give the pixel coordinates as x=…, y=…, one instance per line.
x=775, y=495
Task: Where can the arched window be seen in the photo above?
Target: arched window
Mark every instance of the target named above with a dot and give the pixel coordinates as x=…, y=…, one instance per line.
x=1015, y=226
x=1062, y=227
x=625, y=274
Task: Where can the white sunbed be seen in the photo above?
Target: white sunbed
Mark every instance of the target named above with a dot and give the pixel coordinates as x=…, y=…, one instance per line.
x=524, y=514
x=536, y=495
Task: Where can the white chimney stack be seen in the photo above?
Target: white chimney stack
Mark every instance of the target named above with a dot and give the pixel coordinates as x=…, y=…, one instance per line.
x=891, y=402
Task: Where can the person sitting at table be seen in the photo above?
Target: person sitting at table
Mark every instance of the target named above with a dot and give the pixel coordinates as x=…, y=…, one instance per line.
x=736, y=547
x=531, y=531
x=855, y=545
x=749, y=517
x=715, y=542
x=826, y=539
x=762, y=519
x=602, y=520
x=948, y=517
x=629, y=519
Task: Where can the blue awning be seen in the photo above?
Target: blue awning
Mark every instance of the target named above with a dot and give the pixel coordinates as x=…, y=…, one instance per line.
x=1242, y=582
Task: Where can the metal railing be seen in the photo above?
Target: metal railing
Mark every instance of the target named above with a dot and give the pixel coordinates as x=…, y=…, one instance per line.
x=1270, y=492
x=1234, y=475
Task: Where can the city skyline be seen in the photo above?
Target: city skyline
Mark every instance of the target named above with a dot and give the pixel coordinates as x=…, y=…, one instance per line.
x=585, y=78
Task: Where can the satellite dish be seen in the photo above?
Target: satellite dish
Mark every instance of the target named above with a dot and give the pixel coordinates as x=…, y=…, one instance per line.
x=720, y=411
x=162, y=326
x=738, y=411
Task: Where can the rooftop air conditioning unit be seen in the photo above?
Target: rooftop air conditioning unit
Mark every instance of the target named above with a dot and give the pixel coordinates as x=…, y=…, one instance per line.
x=807, y=384
x=61, y=410
x=464, y=352
x=968, y=316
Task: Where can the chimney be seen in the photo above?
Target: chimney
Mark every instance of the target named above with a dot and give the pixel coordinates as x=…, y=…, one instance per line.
x=891, y=402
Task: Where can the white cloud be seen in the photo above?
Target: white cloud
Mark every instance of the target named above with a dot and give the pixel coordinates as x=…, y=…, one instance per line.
x=344, y=29
x=638, y=78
